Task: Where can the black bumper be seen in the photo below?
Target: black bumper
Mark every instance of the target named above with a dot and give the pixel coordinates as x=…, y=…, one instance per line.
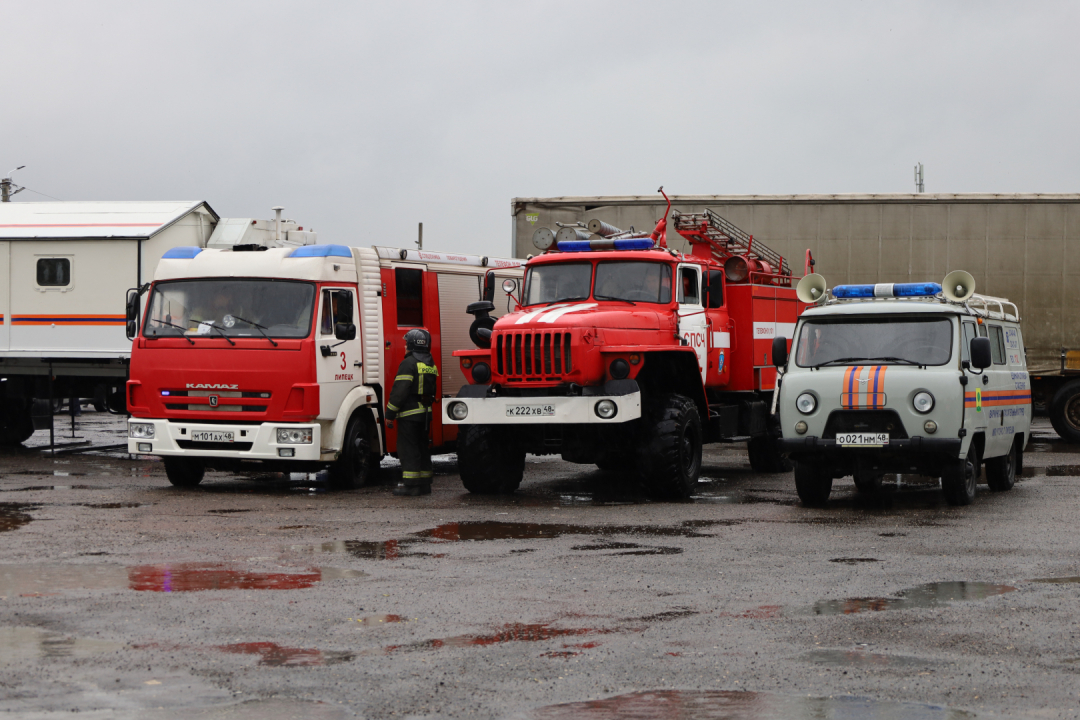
x=902, y=453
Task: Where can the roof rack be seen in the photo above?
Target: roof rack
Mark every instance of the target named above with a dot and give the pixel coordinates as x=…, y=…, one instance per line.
x=985, y=305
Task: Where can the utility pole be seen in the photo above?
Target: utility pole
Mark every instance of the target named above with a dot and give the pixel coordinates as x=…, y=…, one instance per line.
x=919, y=186
x=6, y=187
x=420, y=239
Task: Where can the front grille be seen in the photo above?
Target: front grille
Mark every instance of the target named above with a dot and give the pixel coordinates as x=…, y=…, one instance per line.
x=219, y=408
x=192, y=445
x=227, y=400
x=533, y=356
x=867, y=421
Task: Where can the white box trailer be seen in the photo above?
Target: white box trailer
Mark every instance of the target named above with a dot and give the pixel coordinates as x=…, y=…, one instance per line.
x=64, y=270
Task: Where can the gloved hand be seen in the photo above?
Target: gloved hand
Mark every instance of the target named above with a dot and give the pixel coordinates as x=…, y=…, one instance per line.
x=390, y=414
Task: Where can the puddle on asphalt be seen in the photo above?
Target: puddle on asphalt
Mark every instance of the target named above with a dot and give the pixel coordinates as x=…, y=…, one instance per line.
x=1052, y=446
x=924, y=596
x=860, y=659
x=1063, y=470
x=379, y=619
x=739, y=705
x=110, y=506
x=22, y=644
x=14, y=515
x=512, y=632
x=625, y=548
x=892, y=534
x=853, y=561
x=229, y=511
x=274, y=655
x=369, y=549
x=40, y=580
x=1057, y=580
x=36, y=488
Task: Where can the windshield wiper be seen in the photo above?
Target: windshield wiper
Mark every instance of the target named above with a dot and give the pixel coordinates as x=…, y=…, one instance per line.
x=564, y=300
x=887, y=358
x=162, y=322
x=612, y=297
x=258, y=327
x=215, y=327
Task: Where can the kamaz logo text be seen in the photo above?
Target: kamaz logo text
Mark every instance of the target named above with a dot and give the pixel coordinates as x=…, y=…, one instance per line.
x=211, y=386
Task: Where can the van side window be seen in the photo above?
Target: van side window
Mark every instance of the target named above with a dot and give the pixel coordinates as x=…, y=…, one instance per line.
x=965, y=344
x=688, y=286
x=997, y=345
x=53, y=272
x=409, y=292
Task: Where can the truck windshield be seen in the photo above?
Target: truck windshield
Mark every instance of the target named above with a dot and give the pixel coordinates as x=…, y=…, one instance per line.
x=558, y=282
x=877, y=339
x=235, y=308
x=635, y=281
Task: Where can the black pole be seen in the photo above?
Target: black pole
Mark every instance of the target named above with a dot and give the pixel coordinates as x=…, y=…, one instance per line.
x=52, y=445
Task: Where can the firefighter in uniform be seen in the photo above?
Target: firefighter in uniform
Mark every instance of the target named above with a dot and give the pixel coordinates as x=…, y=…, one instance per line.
x=410, y=403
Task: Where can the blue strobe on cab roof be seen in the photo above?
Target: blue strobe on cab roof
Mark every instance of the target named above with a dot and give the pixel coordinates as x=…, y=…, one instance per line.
x=321, y=251
x=184, y=252
x=848, y=292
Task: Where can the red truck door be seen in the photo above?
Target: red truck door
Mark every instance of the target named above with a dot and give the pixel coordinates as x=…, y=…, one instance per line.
x=718, y=331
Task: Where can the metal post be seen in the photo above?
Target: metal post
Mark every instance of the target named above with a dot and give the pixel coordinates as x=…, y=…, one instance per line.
x=5, y=190
x=420, y=239
x=52, y=423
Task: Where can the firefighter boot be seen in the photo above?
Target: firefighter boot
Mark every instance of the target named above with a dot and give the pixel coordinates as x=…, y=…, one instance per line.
x=403, y=490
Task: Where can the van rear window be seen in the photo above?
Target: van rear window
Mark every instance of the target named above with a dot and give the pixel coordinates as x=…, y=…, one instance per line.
x=53, y=272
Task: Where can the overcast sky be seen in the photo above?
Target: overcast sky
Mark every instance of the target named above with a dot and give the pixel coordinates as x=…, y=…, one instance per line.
x=364, y=118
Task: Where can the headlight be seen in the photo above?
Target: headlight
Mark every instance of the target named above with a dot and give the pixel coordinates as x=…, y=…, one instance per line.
x=801, y=427
x=606, y=409
x=619, y=368
x=458, y=410
x=923, y=402
x=294, y=436
x=142, y=431
x=806, y=403
x=930, y=427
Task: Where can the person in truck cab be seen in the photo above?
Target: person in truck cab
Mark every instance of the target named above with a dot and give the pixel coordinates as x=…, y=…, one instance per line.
x=410, y=403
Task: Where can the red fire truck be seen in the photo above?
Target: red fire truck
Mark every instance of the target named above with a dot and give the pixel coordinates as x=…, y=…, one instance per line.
x=627, y=354
x=279, y=358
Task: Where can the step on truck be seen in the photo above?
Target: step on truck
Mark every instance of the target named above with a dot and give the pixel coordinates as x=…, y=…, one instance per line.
x=626, y=354
x=279, y=359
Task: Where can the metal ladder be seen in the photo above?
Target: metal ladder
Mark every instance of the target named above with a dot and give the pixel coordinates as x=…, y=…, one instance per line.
x=725, y=239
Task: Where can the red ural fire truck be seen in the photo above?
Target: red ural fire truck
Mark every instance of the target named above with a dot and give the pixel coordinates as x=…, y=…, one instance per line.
x=627, y=354
x=281, y=357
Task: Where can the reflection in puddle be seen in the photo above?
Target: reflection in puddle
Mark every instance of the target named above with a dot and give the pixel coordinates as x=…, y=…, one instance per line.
x=110, y=506
x=13, y=515
x=923, y=596
x=35, y=488
x=193, y=577
x=369, y=549
x=20, y=644
x=1063, y=470
x=737, y=705
x=1057, y=580
x=274, y=655
x=512, y=632
x=856, y=658
x=853, y=561
x=229, y=511
x=626, y=548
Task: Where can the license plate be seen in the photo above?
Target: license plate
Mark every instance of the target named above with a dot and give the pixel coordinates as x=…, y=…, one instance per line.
x=530, y=411
x=863, y=439
x=207, y=436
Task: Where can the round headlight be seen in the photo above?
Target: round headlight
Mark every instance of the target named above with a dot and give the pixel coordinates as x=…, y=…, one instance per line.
x=923, y=402
x=481, y=373
x=509, y=285
x=606, y=409
x=806, y=403
x=458, y=410
x=619, y=368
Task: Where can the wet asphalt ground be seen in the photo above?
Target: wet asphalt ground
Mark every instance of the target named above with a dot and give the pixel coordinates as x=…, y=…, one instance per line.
x=271, y=596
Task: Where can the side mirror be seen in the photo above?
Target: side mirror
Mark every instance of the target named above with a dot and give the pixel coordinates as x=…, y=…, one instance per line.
x=716, y=289
x=345, y=331
x=980, y=353
x=132, y=313
x=779, y=352
x=489, y=286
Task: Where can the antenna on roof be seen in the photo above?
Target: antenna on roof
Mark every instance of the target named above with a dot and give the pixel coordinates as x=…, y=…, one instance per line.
x=919, y=186
x=6, y=185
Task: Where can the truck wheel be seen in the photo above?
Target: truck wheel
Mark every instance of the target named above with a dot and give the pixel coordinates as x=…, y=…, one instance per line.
x=958, y=480
x=1065, y=411
x=1001, y=471
x=16, y=425
x=765, y=455
x=489, y=464
x=812, y=484
x=670, y=454
x=868, y=484
x=353, y=467
x=183, y=471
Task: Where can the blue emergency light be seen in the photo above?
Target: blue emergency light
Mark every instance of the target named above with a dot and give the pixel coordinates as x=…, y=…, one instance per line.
x=849, y=292
x=182, y=252
x=306, y=251
x=606, y=244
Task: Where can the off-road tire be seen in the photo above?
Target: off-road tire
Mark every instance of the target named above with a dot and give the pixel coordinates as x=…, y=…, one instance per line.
x=765, y=455
x=867, y=484
x=489, y=462
x=1064, y=411
x=958, y=480
x=184, y=472
x=812, y=484
x=670, y=452
x=354, y=468
x=16, y=425
x=1001, y=471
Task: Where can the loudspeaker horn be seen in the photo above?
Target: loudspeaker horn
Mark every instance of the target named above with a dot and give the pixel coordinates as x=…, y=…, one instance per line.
x=812, y=289
x=958, y=286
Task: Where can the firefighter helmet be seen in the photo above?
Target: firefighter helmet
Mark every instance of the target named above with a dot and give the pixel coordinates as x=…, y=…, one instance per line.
x=418, y=340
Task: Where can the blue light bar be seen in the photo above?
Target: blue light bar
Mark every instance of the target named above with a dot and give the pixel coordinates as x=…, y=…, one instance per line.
x=184, y=252
x=849, y=292
x=321, y=251
x=606, y=244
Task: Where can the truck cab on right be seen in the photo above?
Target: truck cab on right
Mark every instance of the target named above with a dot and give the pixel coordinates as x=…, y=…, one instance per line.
x=904, y=378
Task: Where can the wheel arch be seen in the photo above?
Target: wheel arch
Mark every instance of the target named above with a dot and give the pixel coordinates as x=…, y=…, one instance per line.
x=674, y=371
x=356, y=403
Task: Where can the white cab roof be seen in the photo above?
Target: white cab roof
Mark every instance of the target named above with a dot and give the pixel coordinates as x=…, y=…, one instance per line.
x=272, y=263
x=136, y=220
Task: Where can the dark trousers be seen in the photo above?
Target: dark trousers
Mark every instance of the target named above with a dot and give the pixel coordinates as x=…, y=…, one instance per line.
x=413, y=451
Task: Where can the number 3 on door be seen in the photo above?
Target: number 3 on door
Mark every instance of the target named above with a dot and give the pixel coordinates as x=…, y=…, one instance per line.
x=342, y=361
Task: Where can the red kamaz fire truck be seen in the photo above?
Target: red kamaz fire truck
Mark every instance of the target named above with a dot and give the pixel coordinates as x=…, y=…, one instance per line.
x=278, y=358
x=627, y=354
